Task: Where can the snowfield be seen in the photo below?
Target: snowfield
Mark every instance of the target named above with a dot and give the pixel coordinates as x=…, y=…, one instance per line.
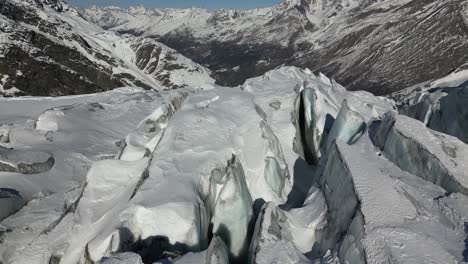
x=286, y=168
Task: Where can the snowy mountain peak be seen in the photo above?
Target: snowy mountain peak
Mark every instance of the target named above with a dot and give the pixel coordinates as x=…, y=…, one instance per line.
x=53, y=39
x=326, y=6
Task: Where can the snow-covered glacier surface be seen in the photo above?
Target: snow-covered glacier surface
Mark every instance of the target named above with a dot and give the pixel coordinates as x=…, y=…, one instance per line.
x=289, y=167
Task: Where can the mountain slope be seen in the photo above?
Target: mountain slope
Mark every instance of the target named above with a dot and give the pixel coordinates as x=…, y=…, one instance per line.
x=47, y=48
x=363, y=44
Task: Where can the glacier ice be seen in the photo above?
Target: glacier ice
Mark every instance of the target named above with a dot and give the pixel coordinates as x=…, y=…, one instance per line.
x=231, y=208
x=315, y=111
x=371, y=234
x=4, y=134
x=348, y=126
x=441, y=109
x=380, y=133
x=433, y=156
x=287, y=236
x=87, y=133
x=10, y=202
x=121, y=258
x=181, y=177
x=217, y=253
x=25, y=162
x=276, y=171
x=272, y=243
x=317, y=108
x=273, y=175
x=49, y=120
x=144, y=139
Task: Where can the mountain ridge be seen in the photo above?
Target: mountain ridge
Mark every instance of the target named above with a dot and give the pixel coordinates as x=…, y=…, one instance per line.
x=363, y=48
x=47, y=48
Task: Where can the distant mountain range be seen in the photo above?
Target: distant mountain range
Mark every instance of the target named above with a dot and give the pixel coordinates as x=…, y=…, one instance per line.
x=48, y=48
x=379, y=46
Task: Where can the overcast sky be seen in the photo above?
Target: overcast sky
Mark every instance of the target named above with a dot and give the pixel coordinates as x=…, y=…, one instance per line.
x=211, y=4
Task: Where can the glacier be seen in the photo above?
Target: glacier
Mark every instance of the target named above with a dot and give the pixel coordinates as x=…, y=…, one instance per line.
x=289, y=167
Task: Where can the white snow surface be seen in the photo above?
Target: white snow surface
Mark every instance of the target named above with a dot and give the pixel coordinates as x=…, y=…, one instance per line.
x=133, y=168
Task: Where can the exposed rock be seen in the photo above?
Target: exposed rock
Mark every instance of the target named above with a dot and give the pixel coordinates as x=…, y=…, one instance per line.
x=362, y=44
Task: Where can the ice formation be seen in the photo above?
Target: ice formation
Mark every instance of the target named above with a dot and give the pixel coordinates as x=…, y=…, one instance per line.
x=221, y=176
x=441, y=109
x=435, y=157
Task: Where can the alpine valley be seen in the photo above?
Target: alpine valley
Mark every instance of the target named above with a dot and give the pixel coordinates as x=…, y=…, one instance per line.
x=310, y=132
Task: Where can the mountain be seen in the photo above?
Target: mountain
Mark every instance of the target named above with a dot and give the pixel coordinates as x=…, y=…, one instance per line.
x=148, y=161
x=379, y=46
x=47, y=48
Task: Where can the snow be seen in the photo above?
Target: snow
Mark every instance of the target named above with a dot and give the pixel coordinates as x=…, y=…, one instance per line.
x=272, y=241
x=7, y=92
x=214, y=175
x=122, y=258
x=435, y=157
x=111, y=52
x=232, y=208
x=216, y=254
x=10, y=202
x=441, y=109
x=86, y=134
x=398, y=230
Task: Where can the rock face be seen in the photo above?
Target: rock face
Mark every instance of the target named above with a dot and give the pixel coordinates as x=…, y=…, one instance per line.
x=362, y=44
x=47, y=48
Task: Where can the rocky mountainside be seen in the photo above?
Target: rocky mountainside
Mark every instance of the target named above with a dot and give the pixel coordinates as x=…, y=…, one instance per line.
x=287, y=167
x=379, y=46
x=47, y=48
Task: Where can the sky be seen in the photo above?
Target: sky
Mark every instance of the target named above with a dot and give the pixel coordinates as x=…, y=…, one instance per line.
x=210, y=4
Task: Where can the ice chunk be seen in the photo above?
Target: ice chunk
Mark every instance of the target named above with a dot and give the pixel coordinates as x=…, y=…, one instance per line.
x=272, y=243
x=273, y=175
x=316, y=114
x=387, y=212
x=232, y=208
x=108, y=182
x=4, y=134
x=109, y=185
x=316, y=111
x=217, y=253
x=451, y=114
x=276, y=171
x=441, y=109
x=380, y=134
x=49, y=120
x=307, y=222
x=121, y=258
x=10, y=202
x=348, y=126
x=286, y=236
x=24, y=161
x=435, y=157
x=145, y=139
x=336, y=183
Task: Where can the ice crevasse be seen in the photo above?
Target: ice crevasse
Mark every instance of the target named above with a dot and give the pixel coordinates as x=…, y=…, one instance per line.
x=287, y=168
